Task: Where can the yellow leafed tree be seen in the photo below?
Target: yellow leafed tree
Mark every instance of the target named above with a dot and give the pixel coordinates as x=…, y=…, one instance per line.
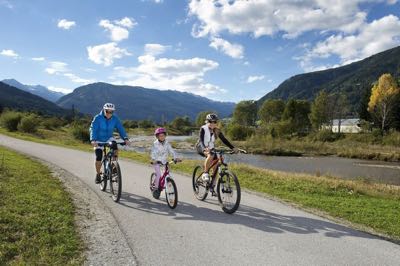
x=383, y=96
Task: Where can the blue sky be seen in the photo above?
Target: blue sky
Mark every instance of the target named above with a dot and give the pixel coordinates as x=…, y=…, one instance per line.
x=224, y=50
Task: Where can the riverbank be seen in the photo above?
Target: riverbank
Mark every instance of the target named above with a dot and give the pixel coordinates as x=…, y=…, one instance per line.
x=363, y=205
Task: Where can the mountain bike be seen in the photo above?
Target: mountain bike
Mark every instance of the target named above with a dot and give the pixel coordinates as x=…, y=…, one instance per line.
x=110, y=170
x=228, y=187
x=165, y=182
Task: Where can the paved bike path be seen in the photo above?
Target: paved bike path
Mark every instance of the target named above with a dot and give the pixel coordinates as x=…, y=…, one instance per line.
x=261, y=232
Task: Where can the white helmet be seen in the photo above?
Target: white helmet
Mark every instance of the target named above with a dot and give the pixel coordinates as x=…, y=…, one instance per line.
x=109, y=106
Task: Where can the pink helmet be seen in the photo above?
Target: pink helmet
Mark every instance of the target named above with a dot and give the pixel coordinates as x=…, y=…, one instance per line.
x=160, y=130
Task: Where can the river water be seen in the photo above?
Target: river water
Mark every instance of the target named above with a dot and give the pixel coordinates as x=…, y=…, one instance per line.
x=374, y=171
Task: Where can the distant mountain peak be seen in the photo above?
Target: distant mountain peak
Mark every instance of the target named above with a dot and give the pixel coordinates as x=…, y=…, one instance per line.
x=39, y=90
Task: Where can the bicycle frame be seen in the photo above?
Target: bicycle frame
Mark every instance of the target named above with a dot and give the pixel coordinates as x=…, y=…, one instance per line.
x=163, y=177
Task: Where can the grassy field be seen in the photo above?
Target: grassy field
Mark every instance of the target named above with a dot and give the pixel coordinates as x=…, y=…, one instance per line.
x=367, y=206
x=36, y=215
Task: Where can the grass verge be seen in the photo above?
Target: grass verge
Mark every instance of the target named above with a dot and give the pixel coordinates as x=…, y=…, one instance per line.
x=365, y=205
x=36, y=215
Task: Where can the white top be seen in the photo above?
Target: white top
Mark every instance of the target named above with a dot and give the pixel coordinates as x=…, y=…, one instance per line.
x=160, y=151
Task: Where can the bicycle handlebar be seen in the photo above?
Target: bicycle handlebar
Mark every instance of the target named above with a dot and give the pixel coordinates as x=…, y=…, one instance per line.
x=107, y=144
x=170, y=162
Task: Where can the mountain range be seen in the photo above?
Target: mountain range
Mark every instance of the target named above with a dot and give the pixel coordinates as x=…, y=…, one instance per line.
x=352, y=80
x=138, y=103
x=38, y=90
x=15, y=98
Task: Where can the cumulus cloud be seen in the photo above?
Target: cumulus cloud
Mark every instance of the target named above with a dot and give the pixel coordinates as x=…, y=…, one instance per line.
x=74, y=78
x=252, y=79
x=105, y=54
x=65, y=24
x=56, y=67
x=155, y=49
x=268, y=17
x=119, y=29
x=233, y=50
x=9, y=53
x=372, y=38
x=167, y=73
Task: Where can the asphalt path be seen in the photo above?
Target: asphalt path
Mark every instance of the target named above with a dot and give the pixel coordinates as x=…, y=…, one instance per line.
x=261, y=232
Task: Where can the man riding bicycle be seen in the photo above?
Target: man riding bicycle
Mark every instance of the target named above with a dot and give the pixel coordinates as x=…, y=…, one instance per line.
x=208, y=134
x=101, y=130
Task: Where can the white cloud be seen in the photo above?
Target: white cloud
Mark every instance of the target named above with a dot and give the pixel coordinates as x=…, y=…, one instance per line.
x=167, y=73
x=106, y=53
x=233, y=50
x=59, y=89
x=74, y=78
x=65, y=24
x=155, y=49
x=372, y=38
x=119, y=28
x=9, y=53
x=252, y=79
x=38, y=58
x=6, y=4
x=269, y=17
x=56, y=67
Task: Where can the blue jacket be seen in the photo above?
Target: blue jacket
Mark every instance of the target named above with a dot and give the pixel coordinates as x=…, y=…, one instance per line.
x=102, y=128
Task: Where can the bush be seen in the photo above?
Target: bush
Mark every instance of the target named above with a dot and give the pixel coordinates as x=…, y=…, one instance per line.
x=80, y=132
x=238, y=132
x=52, y=123
x=327, y=135
x=281, y=129
x=28, y=124
x=393, y=139
x=10, y=120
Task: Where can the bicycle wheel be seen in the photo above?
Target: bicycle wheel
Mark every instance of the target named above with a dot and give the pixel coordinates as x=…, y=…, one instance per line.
x=200, y=188
x=115, y=181
x=228, y=190
x=152, y=181
x=104, y=173
x=171, y=193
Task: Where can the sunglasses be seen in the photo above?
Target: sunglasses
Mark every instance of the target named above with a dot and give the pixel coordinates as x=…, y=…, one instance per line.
x=109, y=112
x=213, y=122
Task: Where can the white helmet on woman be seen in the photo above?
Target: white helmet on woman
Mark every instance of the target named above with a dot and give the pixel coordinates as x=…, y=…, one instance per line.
x=109, y=106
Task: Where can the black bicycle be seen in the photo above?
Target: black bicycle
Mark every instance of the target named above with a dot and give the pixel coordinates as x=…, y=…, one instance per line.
x=110, y=170
x=228, y=187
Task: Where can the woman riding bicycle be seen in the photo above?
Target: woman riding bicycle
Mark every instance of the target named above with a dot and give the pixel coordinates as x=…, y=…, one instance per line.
x=208, y=134
x=101, y=130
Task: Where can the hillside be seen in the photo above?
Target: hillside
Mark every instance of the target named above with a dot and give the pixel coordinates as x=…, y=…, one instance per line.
x=352, y=79
x=38, y=90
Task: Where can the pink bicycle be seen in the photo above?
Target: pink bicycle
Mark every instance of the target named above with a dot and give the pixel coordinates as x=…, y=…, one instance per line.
x=165, y=182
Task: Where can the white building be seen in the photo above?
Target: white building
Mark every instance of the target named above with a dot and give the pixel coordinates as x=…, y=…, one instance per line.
x=347, y=125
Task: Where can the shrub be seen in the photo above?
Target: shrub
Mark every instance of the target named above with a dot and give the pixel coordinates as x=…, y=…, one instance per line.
x=28, y=124
x=239, y=132
x=80, y=132
x=52, y=123
x=327, y=135
x=393, y=138
x=10, y=120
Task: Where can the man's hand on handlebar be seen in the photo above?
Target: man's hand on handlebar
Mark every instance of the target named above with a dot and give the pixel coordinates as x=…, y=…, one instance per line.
x=94, y=143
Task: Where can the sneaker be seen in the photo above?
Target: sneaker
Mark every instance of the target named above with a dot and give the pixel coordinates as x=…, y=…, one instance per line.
x=213, y=193
x=205, y=177
x=156, y=194
x=97, y=179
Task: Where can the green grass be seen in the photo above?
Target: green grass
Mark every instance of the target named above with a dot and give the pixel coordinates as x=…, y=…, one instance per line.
x=366, y=205
x=36, y=215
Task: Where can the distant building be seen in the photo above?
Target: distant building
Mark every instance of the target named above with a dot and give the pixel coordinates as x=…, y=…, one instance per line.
x=351, y=125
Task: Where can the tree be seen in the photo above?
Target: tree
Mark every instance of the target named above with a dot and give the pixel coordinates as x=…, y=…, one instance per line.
x=340, y=107
x=245, y=113
x=382, y=100
x=271, y=111
x=296, y=113
x=320, y=110
x=363, y=106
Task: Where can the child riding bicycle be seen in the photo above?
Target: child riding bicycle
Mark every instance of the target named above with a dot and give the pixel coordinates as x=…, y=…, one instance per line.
x=159, y=153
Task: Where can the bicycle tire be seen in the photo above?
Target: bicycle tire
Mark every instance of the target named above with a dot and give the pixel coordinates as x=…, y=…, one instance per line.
x=198, y=184
x=115, y=181
x=104, y=177
x=170, y=189
x=227, y=184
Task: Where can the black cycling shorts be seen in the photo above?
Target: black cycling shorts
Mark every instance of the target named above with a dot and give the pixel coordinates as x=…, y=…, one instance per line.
x=99, y=154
